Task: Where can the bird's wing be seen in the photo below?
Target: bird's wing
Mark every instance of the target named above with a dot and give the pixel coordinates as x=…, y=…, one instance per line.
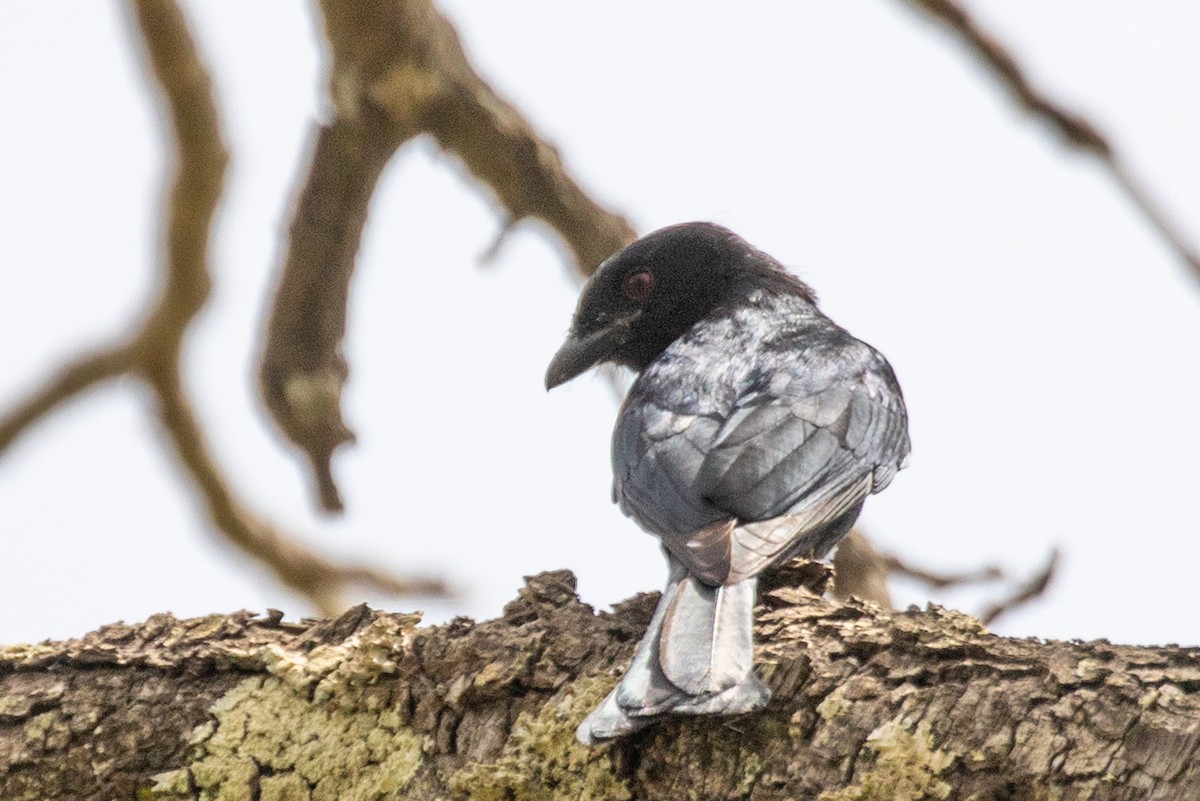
x=657, y=453
x=789, y=466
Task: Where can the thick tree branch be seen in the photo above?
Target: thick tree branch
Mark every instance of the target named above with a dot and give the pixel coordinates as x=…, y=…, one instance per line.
x=398, y=70
x=867, y=705
x=1075, y=129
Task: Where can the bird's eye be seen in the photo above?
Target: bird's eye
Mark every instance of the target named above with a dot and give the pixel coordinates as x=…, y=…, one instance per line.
x=637, y=286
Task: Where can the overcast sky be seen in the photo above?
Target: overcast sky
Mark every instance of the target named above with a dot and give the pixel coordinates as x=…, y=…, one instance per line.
x=1046, y=340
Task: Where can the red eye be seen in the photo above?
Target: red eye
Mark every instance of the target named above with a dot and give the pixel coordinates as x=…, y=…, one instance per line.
x=637, y=286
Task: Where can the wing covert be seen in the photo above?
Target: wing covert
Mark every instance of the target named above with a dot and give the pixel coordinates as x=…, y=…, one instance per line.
x=783, y=469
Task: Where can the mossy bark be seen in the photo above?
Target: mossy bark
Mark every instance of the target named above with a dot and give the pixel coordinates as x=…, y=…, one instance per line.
x=868, y=705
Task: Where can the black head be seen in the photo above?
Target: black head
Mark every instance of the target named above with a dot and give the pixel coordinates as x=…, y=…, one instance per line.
x=650, y=293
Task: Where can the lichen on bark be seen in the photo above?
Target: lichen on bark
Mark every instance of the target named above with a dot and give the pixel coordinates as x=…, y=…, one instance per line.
x=867, y=705
x=267, y=740
x=542, y=761
x=904, y=766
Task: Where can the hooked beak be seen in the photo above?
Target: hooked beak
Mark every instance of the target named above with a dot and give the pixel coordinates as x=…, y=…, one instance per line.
x=579, y=353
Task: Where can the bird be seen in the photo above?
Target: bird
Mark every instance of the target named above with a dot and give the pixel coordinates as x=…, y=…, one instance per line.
x=752, y=433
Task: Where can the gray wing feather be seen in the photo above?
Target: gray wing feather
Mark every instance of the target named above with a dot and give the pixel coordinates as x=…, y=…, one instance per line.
x=755, y=546
x=730, y=494
x=661, y=452
x=816, y=438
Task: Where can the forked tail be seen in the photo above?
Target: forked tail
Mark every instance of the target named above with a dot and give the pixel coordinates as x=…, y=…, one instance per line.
x=697, y=658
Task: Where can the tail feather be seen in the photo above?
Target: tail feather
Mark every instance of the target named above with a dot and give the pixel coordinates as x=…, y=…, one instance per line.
x=706, y=644
x=696, y=658
x=645, y=689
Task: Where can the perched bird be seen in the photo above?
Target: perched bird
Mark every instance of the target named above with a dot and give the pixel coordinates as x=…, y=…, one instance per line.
x=753, y=432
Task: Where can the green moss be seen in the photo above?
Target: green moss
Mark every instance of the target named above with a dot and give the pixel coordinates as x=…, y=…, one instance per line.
x=268, y=736
x=906, y=767
x=542, y=761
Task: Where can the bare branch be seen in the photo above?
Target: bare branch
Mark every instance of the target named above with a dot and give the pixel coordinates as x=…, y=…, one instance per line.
x=303, y=368
x=939, y=580
x=197, y=188
x=297, y=567
x=71, y=380
x=154, y=353
x=398, y=71
x=1024, y=593
x=862, y=572
x=1075, y=129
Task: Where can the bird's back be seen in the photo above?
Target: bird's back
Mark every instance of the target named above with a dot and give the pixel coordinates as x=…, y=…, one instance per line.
x=762, y=410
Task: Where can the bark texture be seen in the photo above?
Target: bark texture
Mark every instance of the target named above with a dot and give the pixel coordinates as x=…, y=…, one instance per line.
x=868, y=705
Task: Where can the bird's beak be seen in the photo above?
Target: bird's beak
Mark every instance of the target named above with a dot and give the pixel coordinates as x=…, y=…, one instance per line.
x=579, y=353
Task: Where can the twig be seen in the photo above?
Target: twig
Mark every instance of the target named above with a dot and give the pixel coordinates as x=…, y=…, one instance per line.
x=861, y=571
x=398, y=71
x=942, y=581
x=72, y=379
x=492, y=251
x=1075, y=129
x=1024, y=593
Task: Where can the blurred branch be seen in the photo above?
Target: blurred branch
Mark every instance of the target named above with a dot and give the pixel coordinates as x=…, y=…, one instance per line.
x=940, y=581
x=1023, y=593
x=154, y=353
x=862, y=572
x=1075, y=129
x=398, y=70
x=72, y=379
x=199, y=181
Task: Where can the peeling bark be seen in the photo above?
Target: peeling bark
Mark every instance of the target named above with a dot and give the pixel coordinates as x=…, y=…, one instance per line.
x=868, y=705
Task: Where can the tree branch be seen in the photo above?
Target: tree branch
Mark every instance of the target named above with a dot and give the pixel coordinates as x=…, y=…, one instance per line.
x=398, y=70
x=72, y=379
x=867, y=705
x=862, y=572
x=1076, y=130
x=154, y=353
x=197, y=189
x=1033, y=587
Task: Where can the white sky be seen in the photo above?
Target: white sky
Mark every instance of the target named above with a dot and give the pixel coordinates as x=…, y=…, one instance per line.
x=1046, y=340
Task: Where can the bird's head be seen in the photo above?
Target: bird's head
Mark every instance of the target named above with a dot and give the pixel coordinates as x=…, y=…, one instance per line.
x=648, y=294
